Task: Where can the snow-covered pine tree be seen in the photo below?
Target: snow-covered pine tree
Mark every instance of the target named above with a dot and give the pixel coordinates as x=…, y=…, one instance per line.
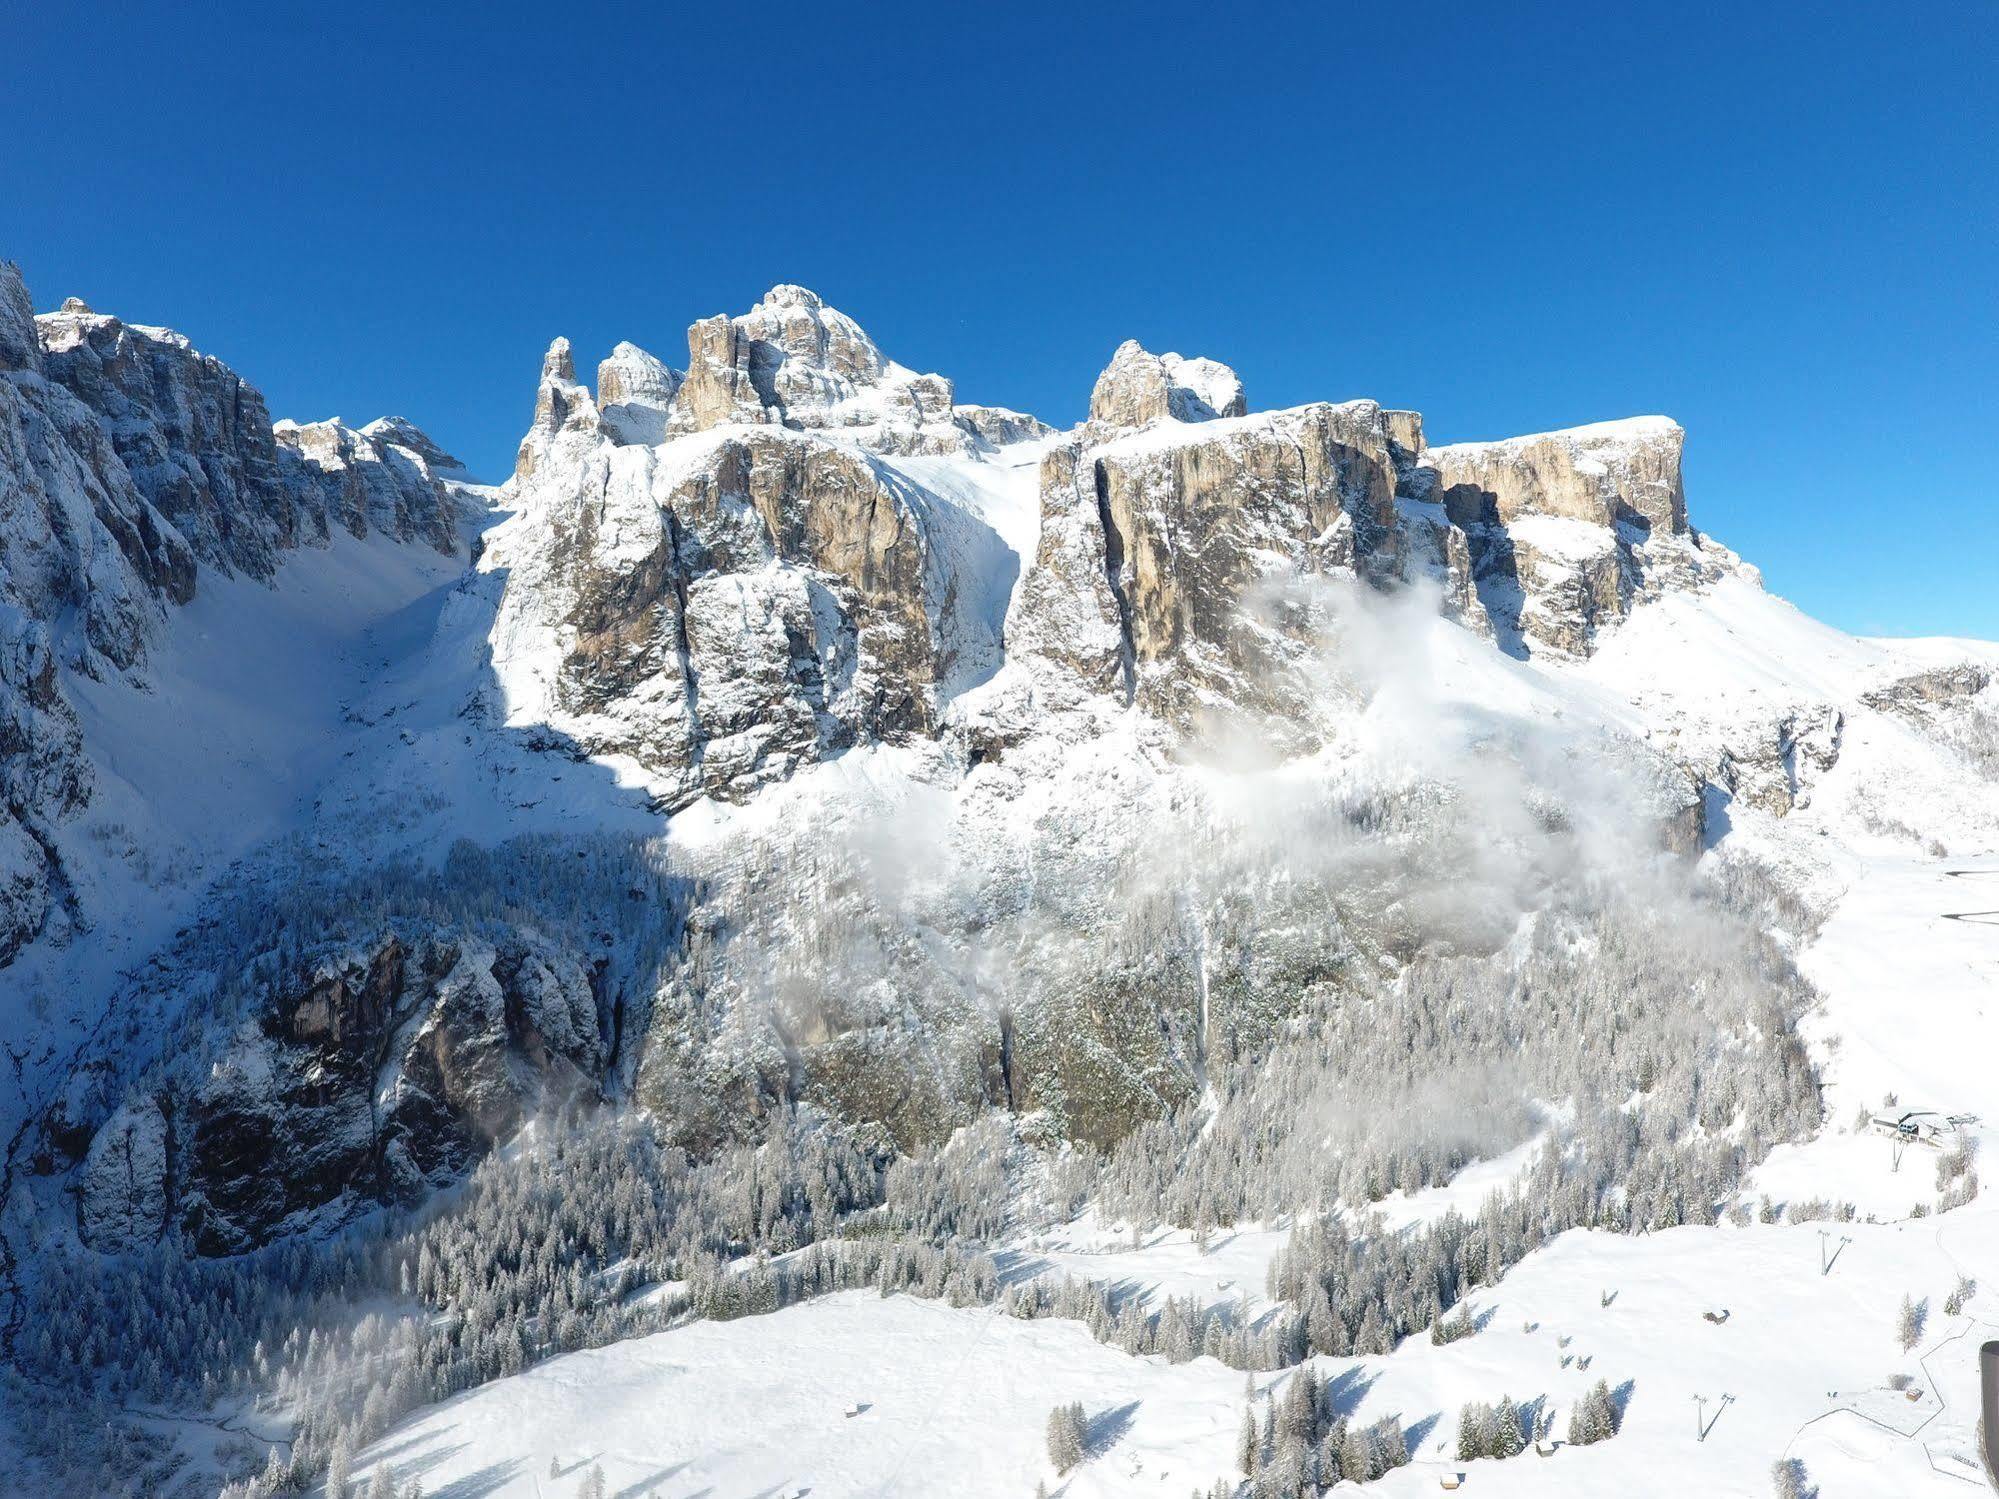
x=1475, y=1429
x=1065, y=1436
x=338, y=1463
x=1909, y=1323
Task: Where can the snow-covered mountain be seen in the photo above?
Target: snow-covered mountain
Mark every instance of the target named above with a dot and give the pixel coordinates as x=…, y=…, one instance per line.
x=1198, y=817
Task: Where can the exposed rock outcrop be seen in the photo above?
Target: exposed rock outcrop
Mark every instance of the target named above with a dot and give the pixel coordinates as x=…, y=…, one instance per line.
x=714, y=580
x=1170, y=560
x=563, y=409
x=401, y=432
x=1773, y=764
x=1138, y=388
x=371, y=1074
x=727, y=608
x=1917, y=697
x=368, y=482
x=634, y=394
x=44, y=779
x=793, y=361
x=1609, y=474
x=1567, y=530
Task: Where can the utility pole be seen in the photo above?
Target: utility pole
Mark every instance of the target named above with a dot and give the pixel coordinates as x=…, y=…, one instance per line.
x=1825, y=1242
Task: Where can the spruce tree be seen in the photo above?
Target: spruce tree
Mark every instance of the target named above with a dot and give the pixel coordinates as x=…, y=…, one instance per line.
x=1474, y=1431
x=1909, y=1323
x=1065, y=1436
x=337, y=1464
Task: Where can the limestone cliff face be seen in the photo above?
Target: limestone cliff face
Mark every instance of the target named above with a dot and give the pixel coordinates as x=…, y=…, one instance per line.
x=368, y=483
x=726, y=608
x=1566, y=531
x=195, y=438
x=199, y=444
x=635, y=392
x=562, y=408
x=371, y=1074
x=1610, y=474
x=1139, y=388
x=714, y=576
x=1171, y=560
x=716, y=579
x=751, y=591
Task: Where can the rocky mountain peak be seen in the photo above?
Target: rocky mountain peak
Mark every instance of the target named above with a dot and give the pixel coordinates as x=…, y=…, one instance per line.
x=1565, y=531
x=635, y=392
x=791, y=361
x=130, y=462
x=559, y=364
x=561, y=405
x=806, y=353
x=401, y=432
x=1138, y=388
x=795, y=361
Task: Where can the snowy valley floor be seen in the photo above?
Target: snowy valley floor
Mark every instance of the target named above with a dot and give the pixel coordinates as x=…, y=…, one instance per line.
x=955, y=1401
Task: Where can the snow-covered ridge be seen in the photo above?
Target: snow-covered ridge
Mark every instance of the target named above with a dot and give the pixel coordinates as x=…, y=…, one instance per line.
x=136, y=468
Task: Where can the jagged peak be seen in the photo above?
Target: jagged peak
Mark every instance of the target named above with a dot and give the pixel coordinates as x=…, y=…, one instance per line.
x=632, y=374
x=635, y=390
x=401, y=432
x=559, y=363
x=1138, y=388
x=785, y=294
x=794, y=326
x=561, y=404
x=76, y=323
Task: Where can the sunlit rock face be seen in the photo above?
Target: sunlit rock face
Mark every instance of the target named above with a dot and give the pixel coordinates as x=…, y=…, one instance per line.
x=1138, y=388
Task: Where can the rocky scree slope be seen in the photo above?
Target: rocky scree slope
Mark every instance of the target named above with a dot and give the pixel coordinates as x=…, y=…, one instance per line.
x=998, y=767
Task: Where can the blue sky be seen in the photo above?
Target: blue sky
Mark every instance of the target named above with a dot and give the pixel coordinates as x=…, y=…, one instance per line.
x=1777, y=223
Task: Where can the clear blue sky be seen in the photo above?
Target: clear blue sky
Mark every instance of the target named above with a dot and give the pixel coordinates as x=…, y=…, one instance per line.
x=1777, y=223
